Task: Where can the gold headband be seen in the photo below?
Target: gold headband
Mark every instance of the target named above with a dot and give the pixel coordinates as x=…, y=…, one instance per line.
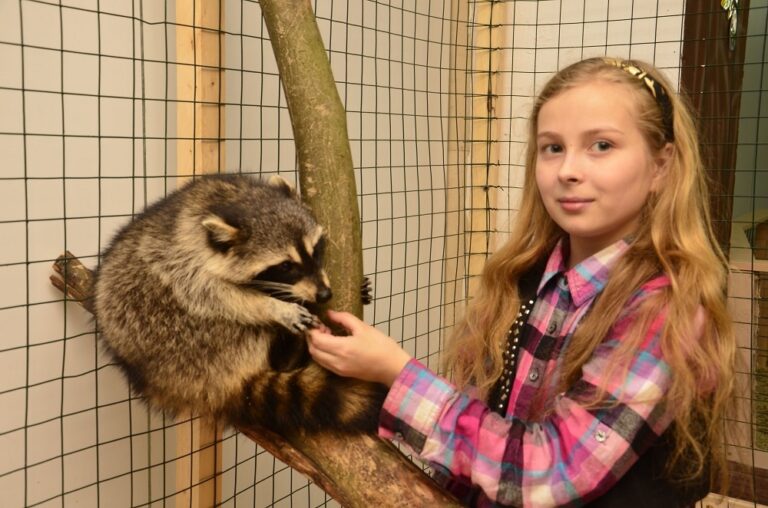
x=654, y=87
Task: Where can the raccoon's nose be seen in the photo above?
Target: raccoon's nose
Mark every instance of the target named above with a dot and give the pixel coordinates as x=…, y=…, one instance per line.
x=323, y=295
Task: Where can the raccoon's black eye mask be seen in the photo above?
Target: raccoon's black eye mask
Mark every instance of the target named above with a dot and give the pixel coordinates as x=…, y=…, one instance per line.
x=277, y=280
x=286, y=273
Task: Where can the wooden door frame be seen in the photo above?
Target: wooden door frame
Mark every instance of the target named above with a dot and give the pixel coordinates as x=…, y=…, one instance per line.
x=711, y=78
x=199, y=150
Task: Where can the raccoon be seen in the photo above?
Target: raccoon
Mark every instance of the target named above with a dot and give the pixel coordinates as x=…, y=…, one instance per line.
x=204, y=300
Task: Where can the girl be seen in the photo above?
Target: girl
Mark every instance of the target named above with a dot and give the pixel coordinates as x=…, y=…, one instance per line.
x=596, y=362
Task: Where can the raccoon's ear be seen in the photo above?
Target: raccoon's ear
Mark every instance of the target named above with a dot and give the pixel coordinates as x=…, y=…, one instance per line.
x=221, y=235
x=282, y=184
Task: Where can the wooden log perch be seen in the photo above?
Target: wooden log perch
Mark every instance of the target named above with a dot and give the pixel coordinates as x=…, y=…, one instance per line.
x=357, y=471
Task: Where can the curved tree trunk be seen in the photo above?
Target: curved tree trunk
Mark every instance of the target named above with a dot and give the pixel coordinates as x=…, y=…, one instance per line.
x=360, y=470
x=320, y=130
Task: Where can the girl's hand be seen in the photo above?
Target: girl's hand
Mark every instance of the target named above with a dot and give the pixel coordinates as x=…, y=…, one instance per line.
x=365, y=354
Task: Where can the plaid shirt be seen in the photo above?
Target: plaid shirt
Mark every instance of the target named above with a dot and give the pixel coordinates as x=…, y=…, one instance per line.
x=573, y=454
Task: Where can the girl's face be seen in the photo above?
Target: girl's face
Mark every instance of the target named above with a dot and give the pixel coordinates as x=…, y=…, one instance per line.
x=594, y=169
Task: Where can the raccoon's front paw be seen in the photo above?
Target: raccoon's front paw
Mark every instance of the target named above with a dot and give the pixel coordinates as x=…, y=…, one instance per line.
x=300, y=319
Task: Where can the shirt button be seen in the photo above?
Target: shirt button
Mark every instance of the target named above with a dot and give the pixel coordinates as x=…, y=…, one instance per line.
x=552, y=328
x=601, y=436
x=534, y=375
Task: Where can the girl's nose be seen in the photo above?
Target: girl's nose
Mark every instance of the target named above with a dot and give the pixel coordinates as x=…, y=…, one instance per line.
x=569, y=171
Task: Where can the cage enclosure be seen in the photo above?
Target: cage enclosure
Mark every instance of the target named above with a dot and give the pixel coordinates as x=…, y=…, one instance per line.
x=108, y=105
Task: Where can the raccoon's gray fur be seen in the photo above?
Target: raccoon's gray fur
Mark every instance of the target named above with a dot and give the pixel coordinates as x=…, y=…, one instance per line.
x=202, y=300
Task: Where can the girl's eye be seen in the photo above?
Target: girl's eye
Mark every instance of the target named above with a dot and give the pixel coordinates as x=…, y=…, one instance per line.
x=551, y=148
x=602, y=146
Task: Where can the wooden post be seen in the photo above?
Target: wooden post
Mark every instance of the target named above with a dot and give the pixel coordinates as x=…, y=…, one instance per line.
x=199, y=87
x=472, y=181
x=483, y=184
x=199, y=150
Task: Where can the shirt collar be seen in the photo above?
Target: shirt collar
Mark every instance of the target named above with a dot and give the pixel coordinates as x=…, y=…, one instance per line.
x=588, y=278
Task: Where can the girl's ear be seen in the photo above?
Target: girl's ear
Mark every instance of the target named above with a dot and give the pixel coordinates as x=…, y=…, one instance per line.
x=661, y=163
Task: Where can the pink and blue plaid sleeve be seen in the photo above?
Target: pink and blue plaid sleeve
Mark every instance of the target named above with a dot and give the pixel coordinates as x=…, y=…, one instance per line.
x=571, y=457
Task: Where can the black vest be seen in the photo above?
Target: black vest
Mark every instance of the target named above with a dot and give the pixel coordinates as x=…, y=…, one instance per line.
x=647, y=482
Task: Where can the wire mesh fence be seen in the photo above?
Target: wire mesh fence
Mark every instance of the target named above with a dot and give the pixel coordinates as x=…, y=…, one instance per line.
x=107, y=105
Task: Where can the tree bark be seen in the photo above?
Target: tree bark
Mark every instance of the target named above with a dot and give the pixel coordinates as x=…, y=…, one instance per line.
x=322, y=144
x=356, y=470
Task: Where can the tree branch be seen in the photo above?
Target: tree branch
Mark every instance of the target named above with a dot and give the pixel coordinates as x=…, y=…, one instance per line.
x=356, y=470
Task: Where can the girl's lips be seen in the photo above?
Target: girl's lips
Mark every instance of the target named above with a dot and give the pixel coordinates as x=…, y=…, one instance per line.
x=573, y=204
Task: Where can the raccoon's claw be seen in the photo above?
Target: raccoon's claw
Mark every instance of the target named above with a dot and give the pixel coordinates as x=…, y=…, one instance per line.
x=304, y=320
x=366, y=291
x=312, y=322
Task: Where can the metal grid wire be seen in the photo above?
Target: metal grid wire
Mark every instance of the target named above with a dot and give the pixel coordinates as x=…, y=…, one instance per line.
x=437, y=95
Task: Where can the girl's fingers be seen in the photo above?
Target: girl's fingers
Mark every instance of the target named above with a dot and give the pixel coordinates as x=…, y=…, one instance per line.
x=317, y=340
x=324, y=350
x=315, y=345
x=325, y=342
x=347, y=320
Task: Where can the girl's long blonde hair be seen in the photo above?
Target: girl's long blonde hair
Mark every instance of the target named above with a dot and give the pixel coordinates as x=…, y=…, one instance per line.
x=676, y=238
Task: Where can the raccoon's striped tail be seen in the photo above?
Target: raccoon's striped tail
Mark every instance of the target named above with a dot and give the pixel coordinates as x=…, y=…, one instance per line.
x=311, y=399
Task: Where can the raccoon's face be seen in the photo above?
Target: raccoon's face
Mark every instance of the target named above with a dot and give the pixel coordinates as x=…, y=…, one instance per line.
x=300, y=276
x=284, y=261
